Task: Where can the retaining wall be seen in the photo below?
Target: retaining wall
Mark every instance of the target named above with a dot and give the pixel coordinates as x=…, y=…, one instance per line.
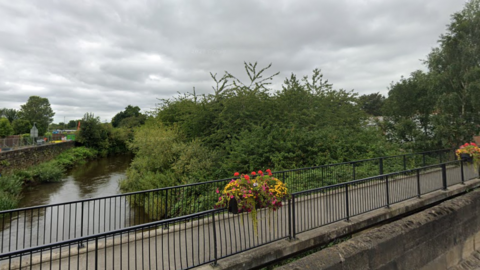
x=23, y=158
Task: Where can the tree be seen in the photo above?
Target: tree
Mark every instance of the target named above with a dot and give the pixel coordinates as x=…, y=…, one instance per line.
x=21, y=126
x=37, y=110
x=72, y=124
x=455, y=64
x=409, y=111
x=5, y=128
x=92, y=133
x=130, y=112
x=372, y=104
x=10, y=114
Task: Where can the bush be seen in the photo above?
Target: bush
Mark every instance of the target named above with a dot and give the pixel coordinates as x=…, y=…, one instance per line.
x=48, y=172
x=8, y=201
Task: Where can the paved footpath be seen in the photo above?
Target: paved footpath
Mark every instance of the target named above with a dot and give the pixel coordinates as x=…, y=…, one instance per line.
x=191, y=243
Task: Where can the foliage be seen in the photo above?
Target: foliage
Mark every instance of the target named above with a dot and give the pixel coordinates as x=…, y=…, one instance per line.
x=21, y=126
x=439, y=108
x=164, y=158
x=245, y=125
x=93, y=133
x=10, y=114
x=37, y=110
x=262, y=191
x=372, y=104
x=72, y=124
x=5, y=128
x=455, y=67
x=130, y=117
x=47, y=172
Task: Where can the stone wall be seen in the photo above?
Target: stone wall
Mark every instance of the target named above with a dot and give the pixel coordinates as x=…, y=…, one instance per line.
x=23, y=158
x=441, y=237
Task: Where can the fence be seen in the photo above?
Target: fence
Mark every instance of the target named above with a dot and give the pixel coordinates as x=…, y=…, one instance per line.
x=39, y=225
x=17, y=142
x=193, y=240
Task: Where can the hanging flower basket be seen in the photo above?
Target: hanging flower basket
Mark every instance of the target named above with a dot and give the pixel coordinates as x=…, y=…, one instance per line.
x=469, y=153
x=248, y=193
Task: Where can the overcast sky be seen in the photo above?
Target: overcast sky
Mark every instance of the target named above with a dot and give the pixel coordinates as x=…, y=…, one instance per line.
x=100, y=56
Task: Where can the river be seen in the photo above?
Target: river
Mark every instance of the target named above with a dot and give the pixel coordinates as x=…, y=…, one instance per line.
x=42, y=225
x=95, y=178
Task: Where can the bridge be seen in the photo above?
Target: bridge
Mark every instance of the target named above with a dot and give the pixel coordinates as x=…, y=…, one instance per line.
x=116, y=233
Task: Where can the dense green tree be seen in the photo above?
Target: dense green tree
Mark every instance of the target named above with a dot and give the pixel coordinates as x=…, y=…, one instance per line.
x=456, y=69
x=5, y=127
x=130, y=117
x=372, y=104
x=72, y=124
x=10, y=114
x=93, y=133
x=21, y=126
x=409, y=111
x=37, y=110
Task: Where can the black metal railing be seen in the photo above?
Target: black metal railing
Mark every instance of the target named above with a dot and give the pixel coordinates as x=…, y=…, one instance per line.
x=205, y=237
x=39, y=225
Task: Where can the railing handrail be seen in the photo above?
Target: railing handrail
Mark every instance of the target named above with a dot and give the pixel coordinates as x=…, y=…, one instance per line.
x=203, y=183
x=372, y=178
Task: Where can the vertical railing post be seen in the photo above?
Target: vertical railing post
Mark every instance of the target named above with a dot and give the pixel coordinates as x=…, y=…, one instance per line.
x=419, y=191
x=81, y=245
x=461, y=172
x=380, y=166
x=388, y=191
x=347, y=210
x=293, y=217
x=353, y=170
x=215, y=255
x=290, y=219
x=96, y=253
x=165, y=216
x=444, y=176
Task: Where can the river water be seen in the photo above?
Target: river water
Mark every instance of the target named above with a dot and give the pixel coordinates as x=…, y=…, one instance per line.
x=95, y=178
x=39, y=225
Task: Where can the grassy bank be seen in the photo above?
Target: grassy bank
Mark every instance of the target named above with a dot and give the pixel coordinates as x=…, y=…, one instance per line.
x=51, y=171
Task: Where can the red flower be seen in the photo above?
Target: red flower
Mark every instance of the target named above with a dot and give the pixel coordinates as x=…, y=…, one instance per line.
x=260, y=172
x=246, y=177
x=236, y=174
x=254, y=173
x=217, y=190
x=268, y=170
x=269, y=174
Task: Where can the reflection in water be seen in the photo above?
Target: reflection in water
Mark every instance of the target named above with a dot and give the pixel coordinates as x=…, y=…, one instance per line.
x=53, y=223
x=95, y=178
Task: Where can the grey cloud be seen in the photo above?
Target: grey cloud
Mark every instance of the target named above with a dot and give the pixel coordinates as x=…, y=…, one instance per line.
x=100, y=56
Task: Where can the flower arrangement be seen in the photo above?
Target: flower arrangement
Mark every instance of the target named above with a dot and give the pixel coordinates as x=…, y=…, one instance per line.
x=469, y=151
x=252, y=192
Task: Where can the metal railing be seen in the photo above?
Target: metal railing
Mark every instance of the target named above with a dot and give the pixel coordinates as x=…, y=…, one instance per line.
x=39, y=225
x=193, y=240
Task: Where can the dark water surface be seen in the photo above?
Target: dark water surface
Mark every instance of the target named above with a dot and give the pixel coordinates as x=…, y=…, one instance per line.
x=95, y=178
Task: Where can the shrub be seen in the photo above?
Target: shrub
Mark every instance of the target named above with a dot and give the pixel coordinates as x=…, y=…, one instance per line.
x=48, y=172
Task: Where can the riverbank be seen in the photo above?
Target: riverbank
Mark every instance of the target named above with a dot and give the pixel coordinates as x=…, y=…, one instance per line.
x=12, y=184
